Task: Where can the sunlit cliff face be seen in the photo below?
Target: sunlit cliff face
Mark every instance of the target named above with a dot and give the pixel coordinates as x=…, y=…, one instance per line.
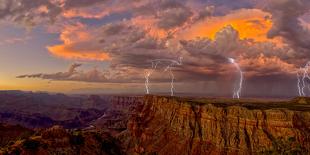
x=116, y=41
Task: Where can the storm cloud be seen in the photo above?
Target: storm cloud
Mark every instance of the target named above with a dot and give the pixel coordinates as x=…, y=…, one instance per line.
x=270, y=41
x=287, y=23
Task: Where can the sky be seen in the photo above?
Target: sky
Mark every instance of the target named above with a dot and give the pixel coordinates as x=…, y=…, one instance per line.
x=107, y=46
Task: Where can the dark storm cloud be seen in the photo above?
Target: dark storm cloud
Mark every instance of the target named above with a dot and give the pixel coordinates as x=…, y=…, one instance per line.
x=129, y=45
x=69, y=4
x=286, y=22
x=237, y=4
x=174, y=17
x=259, y=59
x=202, y=57
x=132, y=49
x=223, y=7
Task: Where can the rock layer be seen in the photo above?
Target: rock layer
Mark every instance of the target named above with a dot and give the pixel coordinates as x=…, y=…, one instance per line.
x=174, y=126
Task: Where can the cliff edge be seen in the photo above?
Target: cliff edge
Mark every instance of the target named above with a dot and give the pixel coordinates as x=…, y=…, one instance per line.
x=177, y=126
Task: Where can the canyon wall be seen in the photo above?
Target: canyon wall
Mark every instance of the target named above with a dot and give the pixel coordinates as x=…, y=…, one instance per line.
x=175, y=126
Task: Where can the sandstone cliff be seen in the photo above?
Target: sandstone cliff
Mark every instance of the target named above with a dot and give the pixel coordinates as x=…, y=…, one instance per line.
x=174, y=126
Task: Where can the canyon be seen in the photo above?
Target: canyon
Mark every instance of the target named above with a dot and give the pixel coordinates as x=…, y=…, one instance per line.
x=162, y=125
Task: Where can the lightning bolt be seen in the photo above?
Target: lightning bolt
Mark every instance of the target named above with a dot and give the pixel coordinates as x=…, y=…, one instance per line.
x=172, y=80
x=168, y=68
x=237, y=91
x=147, y=76
x=298, y=83
x=305, y=75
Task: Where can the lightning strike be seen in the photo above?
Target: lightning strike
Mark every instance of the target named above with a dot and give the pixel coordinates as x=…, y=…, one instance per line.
x=168, y=68
x=237, y=90
x=298, y=83
x=301, y=81
x=172, y=80
x=147, y=77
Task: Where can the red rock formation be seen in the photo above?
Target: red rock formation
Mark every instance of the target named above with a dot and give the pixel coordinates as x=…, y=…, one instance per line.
x=173, y=126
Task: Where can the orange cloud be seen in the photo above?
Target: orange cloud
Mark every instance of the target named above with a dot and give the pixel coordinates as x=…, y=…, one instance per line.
x=65, y=52
x=79, y=13
x=250, y=23
x=74, y=34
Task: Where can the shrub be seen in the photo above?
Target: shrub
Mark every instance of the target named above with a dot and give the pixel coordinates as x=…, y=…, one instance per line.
x=77, y=139
x=31, y=144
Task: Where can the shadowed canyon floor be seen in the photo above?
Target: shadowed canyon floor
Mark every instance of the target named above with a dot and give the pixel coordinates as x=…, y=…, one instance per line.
x=153, y=125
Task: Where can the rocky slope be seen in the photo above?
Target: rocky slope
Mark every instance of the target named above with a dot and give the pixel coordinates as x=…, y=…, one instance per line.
x=175, y=126
x=11, y=133
x=57, y=140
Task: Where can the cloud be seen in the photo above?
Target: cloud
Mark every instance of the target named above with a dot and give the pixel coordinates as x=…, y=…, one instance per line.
x=65, y=51
x=29, y=12
x=15, y=40
x=81, y=3
x=77, y=42
x=173, y=17
x=250, y=23
x=122, y=43
x=287, y=23
x=131, y=50
x=269, y=43
x=58, y=76
x=130, y=47
x=255, y=58
x=71, y=75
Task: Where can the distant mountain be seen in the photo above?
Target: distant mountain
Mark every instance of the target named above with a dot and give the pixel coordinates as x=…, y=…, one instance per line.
x=41, y=110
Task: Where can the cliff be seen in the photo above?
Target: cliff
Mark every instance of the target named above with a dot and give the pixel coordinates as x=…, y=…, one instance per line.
x=176, y=126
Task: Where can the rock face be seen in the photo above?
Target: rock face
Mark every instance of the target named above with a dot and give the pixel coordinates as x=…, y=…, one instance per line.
x=57, y=140
x=174, y=126
x=116, y=116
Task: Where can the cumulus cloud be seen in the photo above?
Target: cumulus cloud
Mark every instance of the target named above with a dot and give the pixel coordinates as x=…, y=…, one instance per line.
x=256, y=58
x=287, y=23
